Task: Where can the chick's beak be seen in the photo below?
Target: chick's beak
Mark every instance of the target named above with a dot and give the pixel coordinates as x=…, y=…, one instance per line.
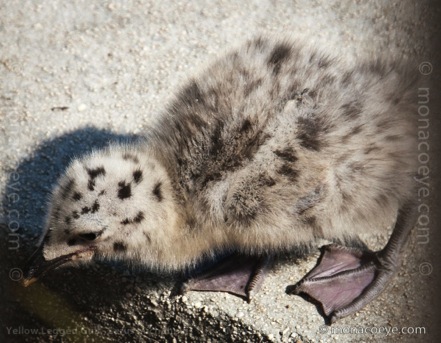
x=37, y=266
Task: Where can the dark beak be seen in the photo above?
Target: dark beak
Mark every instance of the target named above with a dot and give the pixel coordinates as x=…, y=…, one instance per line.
x=37, y=266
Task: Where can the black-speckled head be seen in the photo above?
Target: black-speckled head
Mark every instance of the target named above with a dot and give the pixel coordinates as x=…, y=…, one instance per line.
x=110, y=204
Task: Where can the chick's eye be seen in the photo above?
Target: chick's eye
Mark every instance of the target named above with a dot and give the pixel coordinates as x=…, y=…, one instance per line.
x=90, y=236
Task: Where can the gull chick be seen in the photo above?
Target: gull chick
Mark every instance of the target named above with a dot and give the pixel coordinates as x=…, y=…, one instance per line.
x=274, y=146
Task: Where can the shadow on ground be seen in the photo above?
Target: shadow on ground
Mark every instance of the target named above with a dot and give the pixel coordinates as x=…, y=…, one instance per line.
x=63, y=298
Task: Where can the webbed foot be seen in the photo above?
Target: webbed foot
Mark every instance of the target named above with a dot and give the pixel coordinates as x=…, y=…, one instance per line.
x=343, y=281
x=238, y=274
x=346, y=279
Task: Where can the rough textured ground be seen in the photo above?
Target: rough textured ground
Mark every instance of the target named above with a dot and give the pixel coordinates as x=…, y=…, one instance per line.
x=77, y=74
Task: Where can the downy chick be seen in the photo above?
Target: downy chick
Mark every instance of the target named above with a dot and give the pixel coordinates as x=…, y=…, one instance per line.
x=272, y=147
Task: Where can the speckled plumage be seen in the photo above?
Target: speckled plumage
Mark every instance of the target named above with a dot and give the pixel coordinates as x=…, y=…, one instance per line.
x=271, y=147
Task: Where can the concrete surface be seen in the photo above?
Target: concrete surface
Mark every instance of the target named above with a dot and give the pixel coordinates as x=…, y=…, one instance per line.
x=77, y=74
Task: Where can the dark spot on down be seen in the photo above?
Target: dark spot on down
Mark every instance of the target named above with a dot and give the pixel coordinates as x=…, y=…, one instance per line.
x=85, y=210
x=227, y=149
x=216, y=139
x=95, y=206
x=157, y=191
x=324, y=62
x=93, y=173
x=77, y=196
x=346, y=197
x=280, y=53
x=311, y=221
x=356, y=130
x=251, y=86
x=347, y=78
x=308, y=133
x=259, y=43
x=119, y=247
x=327, y=80
x=231, y=154
x=242, y=211
x=392, y=138
x=371, y=148
x=137, y=176
x=266, y=180
x=312, y=57
x=300, y=96
x=139, y=217
x=128, y=156
x=382, y=200
x=289, y=172
x=67, y=220
x=91, y=185
x=351, y=110
x=67, y=188
x=310, y=200
x=75, y=215
x=246, y=126
x=191, y=94
x=375, y=67
x=124, y=191
x=286, y=154
x=147, y=236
